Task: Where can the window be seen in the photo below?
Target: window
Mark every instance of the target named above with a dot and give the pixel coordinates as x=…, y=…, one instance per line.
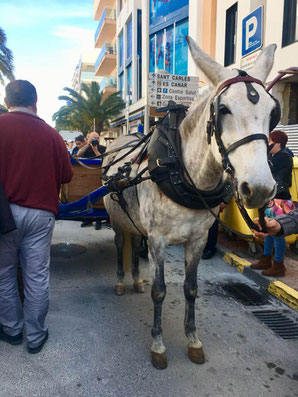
x=181, y=48
x=168, y=49
x=129, y=40
x=230, y=42
x=160, y=9
x=152, y=54
x=139, y=53
x=290, y=22
x=159, y=50
x=129, y=84
x=121, y=82
x=120, y=52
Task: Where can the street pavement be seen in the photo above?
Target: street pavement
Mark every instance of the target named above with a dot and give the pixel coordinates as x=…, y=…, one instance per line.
x=99, y=343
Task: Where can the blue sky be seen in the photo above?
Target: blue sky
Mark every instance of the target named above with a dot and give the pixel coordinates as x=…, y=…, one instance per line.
x=47, y=38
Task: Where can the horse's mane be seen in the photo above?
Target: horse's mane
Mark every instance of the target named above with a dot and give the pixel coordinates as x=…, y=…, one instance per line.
x=196, y=108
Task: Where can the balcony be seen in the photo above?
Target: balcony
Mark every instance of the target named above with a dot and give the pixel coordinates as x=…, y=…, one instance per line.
x=106, y=29
x=108, y=86
x=106, y=61
x=99, y=5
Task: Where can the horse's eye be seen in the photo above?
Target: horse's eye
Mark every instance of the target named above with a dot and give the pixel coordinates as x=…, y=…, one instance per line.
x=224, y=110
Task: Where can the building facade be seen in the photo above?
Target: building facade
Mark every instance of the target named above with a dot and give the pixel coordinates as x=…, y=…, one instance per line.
x=150, y=37
x=84, y=71
x=105, y=40
x=244, y=27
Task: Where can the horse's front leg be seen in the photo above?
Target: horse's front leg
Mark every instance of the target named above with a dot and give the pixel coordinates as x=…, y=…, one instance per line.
x=119, y=241
x=158, y=293
x=193, y=252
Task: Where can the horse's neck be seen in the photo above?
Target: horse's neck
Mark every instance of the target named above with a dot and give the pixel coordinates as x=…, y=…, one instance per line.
x=198, y=156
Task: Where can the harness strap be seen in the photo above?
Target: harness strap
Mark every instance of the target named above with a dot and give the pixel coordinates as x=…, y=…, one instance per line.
x=238, y=79
x=245, y=140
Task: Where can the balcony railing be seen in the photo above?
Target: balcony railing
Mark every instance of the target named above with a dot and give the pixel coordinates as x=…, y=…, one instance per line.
x=108, y=81
x=108, y=48
x=108, y=13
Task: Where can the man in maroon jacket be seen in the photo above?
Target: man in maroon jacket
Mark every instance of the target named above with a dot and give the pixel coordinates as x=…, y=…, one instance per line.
x=33, y=164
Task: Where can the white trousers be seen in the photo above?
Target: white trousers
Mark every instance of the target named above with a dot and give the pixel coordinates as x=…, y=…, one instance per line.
x=30, y=245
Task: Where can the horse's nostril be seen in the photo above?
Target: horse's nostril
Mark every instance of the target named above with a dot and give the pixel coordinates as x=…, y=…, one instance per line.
x=246, y=190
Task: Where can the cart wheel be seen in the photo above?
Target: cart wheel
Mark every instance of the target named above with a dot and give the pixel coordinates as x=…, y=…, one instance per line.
x=254, y=249
x=294, y=248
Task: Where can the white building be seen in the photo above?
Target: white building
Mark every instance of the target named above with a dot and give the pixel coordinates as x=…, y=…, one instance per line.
x=84, y=71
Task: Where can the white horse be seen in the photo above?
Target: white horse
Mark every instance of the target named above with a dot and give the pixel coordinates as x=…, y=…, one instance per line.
x=165, y=222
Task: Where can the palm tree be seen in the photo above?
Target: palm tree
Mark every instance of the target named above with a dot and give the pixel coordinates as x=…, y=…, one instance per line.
x=6, y=59
x=85, y=111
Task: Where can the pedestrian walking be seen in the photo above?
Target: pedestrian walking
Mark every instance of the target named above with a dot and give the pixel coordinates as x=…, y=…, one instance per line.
x=33, y=164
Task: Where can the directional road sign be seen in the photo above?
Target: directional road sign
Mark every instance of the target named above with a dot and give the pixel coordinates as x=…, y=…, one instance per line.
x=164, y=87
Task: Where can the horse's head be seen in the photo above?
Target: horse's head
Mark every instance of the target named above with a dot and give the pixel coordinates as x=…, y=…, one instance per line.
x=243, y=114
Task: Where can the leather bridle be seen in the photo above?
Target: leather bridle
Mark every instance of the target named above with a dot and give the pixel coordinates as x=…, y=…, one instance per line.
x=214, y=128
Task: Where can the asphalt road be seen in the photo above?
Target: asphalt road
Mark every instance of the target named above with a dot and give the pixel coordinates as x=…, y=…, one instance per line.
x=99, y=343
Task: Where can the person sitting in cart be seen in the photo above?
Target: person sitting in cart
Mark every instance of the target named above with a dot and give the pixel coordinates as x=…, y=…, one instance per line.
x=80, y=141
x=282, y=165
x=92, y=148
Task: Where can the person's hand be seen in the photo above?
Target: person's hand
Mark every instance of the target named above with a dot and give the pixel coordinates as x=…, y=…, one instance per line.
x=273, y=227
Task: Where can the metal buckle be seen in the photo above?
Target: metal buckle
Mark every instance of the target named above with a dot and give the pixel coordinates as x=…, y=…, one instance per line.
x=158, y=163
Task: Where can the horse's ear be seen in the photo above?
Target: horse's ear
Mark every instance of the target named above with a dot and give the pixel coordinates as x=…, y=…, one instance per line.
x=264, y=63
x=213, y=70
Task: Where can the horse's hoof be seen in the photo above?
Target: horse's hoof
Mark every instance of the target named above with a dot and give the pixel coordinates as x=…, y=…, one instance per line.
x=119, y=289
x=159, y=360
x=139, y=287
x=196, y=355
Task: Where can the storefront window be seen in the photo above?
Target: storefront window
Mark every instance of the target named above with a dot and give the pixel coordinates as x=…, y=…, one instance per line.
x=181, y=48
x=160, y=50
x=169, y=50
x=152, y=54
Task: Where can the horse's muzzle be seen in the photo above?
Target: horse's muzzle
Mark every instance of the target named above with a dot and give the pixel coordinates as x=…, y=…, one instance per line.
x=256, y=196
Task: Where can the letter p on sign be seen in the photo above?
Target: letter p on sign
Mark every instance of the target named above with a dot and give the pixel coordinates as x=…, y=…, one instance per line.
x=251, y=28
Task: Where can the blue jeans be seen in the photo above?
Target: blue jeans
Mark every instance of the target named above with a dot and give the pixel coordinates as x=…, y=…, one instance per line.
x=30, y=244
x=279, y=245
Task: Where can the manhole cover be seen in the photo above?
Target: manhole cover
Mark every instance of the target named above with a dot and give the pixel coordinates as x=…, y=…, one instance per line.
x=246, y=295
x=67, y=250
x=278, y=323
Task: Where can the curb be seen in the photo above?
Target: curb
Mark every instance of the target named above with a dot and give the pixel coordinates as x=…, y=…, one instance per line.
x=280, y=290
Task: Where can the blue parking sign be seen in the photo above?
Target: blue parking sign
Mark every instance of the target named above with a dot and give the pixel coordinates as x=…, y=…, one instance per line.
x=252, y=31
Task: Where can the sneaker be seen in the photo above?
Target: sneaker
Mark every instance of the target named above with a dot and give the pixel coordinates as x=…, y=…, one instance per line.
x=12, y=340
x=37, y=349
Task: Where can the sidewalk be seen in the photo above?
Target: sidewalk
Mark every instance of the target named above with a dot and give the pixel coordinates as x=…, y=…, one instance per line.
x=285, y=288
